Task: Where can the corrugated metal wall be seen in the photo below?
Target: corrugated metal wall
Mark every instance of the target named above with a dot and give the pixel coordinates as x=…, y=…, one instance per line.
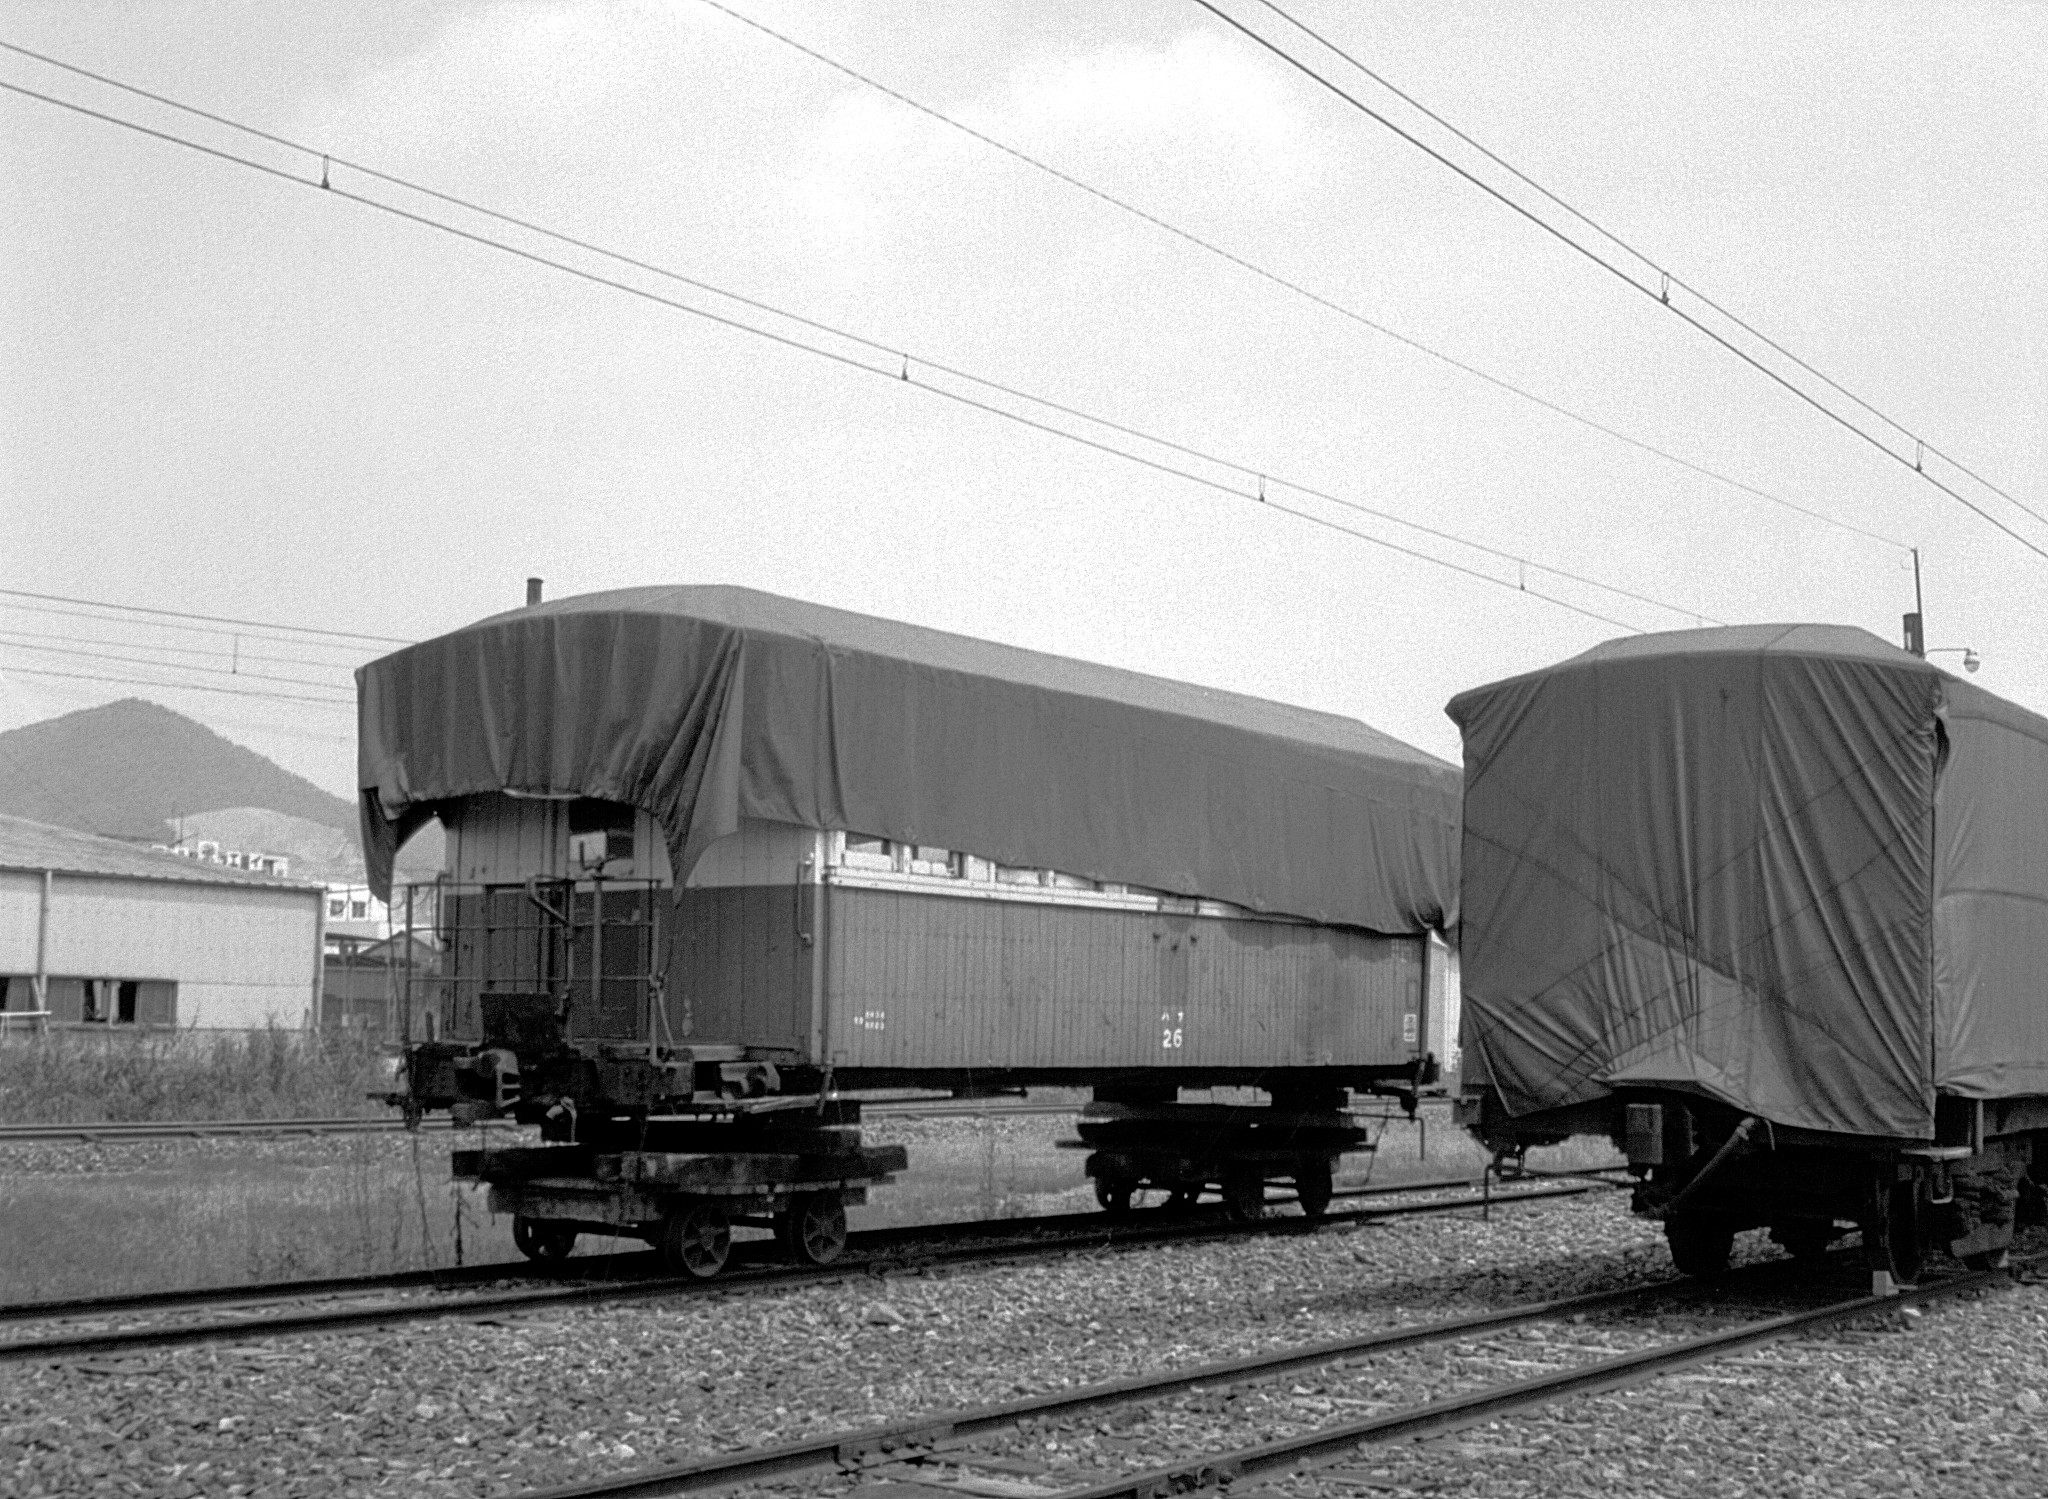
x=241, y=955
x=938, y=981
x=958, y=975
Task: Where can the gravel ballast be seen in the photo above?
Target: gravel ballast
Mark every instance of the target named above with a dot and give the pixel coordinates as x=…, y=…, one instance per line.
x=485, y=1408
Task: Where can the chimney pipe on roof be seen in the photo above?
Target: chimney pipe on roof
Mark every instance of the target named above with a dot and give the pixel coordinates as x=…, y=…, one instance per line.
x=532, y=591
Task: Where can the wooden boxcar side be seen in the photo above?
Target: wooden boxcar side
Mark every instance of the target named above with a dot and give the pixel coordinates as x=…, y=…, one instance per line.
x=886, y=961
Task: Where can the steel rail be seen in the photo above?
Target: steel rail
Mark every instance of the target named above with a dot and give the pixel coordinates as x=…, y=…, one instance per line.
x=194, y=1129
x=1099, y=1235
x=619, y=1263
x=631, y=1263
x=848, y=1448
x=102, y=1132
x=1455, y=1411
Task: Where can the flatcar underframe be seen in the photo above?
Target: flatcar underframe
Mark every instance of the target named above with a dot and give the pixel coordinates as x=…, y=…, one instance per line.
x=677, y=1145
x=1707, y=1172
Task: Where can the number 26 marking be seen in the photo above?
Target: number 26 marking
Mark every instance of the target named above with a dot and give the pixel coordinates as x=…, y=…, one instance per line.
x=1171, y=1029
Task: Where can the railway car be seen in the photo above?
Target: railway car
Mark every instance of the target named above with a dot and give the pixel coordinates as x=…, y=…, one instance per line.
x=1768, y=907
x=719, y=862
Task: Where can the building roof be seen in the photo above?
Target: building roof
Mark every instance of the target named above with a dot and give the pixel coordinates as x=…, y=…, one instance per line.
x=38, y=846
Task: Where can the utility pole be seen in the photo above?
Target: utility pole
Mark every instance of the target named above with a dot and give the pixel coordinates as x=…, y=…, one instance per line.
x=1916, y=633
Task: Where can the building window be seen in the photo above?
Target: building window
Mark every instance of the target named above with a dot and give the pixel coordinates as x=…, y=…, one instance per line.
x=116, y=1001
x=337, y=907
x=358, y=910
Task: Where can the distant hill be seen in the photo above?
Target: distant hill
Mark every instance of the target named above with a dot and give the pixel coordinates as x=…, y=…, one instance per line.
x=126, y=769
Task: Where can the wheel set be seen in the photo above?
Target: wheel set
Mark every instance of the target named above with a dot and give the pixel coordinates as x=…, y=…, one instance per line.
x=543, y=1240
x=695, y=1238
x=812, y=1229
x=1243, y=1190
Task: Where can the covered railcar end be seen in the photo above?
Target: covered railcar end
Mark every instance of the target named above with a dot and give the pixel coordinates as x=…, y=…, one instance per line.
x=1768, y=907
x=718, y=860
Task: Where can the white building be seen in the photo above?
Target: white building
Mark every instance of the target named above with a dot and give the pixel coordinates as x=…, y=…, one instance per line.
x=354, y=913
x=97, y=932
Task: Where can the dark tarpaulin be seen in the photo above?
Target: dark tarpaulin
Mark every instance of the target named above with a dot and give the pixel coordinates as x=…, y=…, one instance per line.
x=707, y=705
x=1788, y=867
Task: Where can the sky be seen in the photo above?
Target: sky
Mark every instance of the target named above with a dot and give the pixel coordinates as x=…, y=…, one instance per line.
x=225, y=392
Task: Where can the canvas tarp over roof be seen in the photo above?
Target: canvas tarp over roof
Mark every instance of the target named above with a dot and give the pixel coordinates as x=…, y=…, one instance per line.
x=707, y=705
x=1789, y=867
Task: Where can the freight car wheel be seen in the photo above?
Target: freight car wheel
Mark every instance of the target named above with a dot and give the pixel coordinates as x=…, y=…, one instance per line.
x=1805, y=1240
x=695, y=1239
x=1115, y=1194
x=1244, y=1196
x=1313, y=1186
x=1183, y=1199
x=813, y=1231
x=1891, y=1232
x=1700, y=1247
x=542, y=1238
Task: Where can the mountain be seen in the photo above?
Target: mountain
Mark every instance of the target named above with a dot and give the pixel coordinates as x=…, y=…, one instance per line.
x=128, y=769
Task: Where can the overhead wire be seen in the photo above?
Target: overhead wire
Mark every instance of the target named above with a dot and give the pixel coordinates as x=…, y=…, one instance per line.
x=1295, y=288
x=78, y=676
x=253, y=676
x=12, y=636
x=1613, y=238
x=904, y=358
x=1657, y=293
x=900, y=368
x=58, y=598
x=213, y=631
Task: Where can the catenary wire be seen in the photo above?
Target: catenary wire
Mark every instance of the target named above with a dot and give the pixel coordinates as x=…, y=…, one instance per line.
x=221, y=671
x=1608, y=234
x=79, y=676
x=215, y=631
x=903, y=375
x=254, y=624
x=1651, y=292
x=9, y=637
x=1249, y=266
x=1293, y=287
x=902, y=358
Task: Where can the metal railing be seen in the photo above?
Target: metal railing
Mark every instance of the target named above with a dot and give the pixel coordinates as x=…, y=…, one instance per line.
x=593, y=944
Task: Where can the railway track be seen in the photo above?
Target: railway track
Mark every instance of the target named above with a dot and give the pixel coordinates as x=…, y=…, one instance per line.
x=925, y=1446
x=201, y=1129
x=365, y=1304
x=636, y=1263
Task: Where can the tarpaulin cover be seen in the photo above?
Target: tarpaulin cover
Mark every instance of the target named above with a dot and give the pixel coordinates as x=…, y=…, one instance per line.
x=1789, y=867
x=707, y=705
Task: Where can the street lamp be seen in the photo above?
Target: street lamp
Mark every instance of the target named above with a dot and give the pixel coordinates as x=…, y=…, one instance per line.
x=1971, y=660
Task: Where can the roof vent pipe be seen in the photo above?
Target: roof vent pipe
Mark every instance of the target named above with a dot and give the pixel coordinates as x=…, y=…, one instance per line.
x=532, y=591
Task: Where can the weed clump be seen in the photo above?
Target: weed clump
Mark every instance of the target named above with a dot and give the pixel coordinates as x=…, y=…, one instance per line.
x=132, y=1076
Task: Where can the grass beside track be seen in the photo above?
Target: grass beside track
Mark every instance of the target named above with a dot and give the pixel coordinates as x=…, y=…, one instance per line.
x=114, y=1220
x=128, y=1075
